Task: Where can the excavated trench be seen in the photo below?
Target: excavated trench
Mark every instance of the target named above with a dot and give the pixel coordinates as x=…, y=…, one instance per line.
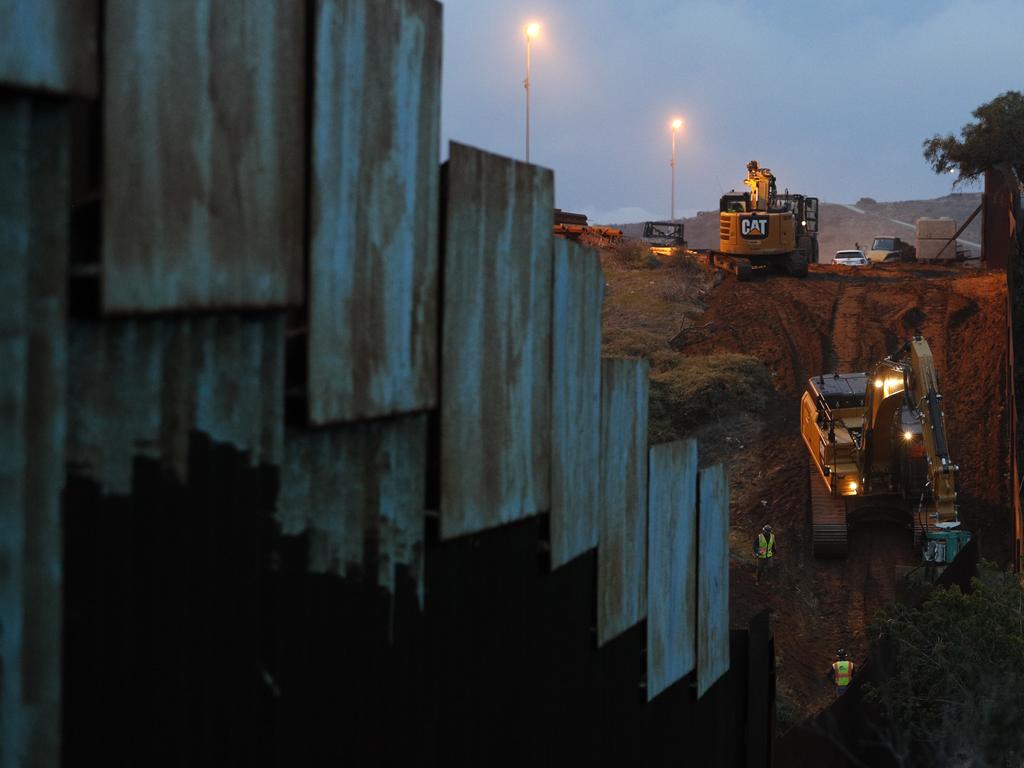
x=846, y=319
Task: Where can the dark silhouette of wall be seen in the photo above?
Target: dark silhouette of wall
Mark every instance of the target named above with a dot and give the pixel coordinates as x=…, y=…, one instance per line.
x=195, y=636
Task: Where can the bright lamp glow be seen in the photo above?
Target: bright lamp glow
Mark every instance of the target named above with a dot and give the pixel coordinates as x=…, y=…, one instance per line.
x=892, y=384
x=878, y=383
x=677, y=124
x=908, y=435
x=853, y=486
x=532, y=29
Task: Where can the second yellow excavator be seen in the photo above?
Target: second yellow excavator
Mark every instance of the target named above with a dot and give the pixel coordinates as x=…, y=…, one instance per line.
x=878, y=448
x=762, y=228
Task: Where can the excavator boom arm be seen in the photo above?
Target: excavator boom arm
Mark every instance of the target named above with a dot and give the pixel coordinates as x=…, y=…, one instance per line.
x=924, y=384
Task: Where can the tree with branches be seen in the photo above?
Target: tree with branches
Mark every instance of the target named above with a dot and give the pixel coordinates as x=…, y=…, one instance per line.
x=994, y=142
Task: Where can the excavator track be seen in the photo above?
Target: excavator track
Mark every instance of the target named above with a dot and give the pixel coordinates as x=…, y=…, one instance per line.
x=828, y=518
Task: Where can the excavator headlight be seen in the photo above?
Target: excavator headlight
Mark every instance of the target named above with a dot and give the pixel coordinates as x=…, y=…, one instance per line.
x=853, y=486
x=878, y=383
x=908, y=435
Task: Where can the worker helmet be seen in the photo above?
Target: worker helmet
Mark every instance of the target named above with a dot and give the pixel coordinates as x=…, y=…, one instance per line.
x=767, y=528
x=841, y=653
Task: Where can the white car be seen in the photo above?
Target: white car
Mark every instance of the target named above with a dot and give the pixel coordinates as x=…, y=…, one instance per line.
x=850, y=259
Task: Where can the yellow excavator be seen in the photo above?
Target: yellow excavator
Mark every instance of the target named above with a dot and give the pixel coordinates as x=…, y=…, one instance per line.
x=762, y=228
x=878, y=449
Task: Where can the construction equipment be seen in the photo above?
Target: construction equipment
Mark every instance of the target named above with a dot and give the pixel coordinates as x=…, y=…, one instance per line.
x=762, y=228
x=878, y=449
x=889, y=248
x=573, y=225
x=664, y=238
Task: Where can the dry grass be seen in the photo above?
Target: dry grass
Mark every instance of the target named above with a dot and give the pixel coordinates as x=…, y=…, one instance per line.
x=633, y=254
x=647, y=300
x=703, y=389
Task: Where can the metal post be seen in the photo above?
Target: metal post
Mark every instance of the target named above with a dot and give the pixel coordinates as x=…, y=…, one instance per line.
x=673, y=164
x=526, y=84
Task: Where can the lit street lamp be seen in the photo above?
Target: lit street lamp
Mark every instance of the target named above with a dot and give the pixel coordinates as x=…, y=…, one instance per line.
x=532, y=30
x=676, y=125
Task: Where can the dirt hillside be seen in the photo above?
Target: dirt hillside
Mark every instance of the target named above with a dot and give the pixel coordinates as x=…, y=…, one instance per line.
x=698, y=328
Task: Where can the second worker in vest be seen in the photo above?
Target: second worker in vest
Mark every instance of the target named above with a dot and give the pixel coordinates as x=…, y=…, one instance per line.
x=841, y=672
x=765, y=550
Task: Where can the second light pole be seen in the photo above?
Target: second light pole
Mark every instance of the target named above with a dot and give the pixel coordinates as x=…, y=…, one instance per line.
x=676, y=125
x=532, y=30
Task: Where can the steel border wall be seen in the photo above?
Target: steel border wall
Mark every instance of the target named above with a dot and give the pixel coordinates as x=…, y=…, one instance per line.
x=188, y=503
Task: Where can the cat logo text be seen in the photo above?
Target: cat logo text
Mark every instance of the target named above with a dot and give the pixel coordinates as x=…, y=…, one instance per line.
x=754, y=227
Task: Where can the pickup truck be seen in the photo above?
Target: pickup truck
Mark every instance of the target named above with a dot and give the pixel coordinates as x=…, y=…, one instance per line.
x=889, y=249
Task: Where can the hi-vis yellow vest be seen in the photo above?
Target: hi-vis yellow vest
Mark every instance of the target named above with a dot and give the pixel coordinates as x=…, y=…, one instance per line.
x=765, y=548
x=844, y=672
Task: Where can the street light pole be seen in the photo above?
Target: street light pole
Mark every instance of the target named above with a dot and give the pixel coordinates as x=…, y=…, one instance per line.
x=531, y=32
x=676, y=125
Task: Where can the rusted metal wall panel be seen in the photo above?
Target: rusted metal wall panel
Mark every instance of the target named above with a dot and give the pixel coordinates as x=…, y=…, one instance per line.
x=712, y=578
x=578, y=290
x=999, y=202
x=496, y=342
x=358, y=490
x=374, y=256
x=622, y=537
x=140, y=386
x=671, y=564
x=204, y=154
x=49, y=45
x=35, y=168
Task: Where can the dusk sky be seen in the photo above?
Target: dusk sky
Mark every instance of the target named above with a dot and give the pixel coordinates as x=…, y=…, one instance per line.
x=835, y=97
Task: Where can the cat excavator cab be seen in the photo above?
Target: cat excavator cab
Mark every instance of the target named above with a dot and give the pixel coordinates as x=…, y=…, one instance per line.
x=878, y=449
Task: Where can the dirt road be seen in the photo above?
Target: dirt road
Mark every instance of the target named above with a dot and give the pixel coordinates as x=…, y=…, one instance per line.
x=838, y=319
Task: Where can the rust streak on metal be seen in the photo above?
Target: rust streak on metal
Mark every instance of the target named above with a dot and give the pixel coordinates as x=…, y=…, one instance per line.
x=578, y=290
x=358, y=491
x=204, y=195
x=712, y=578
x=142, y=385
x=622, y=537
x=496, y=342
x=672, y=564
x=375, y=189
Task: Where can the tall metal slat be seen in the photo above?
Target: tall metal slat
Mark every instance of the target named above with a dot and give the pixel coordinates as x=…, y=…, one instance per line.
x=49, y=45
x=672, y=564
x=374, y=254
x=358, y=492
x=712, y=578
x=622, y=538
x=496, y=342
x=204, y=155
x=34, y=226
x=577, y=291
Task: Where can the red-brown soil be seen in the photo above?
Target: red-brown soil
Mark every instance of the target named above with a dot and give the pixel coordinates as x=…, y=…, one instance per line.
x=838, y=318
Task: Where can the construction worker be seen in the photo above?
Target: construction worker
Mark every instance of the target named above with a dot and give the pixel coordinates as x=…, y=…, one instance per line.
x=765, y=550
x=841, y=672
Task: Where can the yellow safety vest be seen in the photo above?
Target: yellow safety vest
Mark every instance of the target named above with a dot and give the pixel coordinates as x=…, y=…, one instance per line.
x=766, y=549
x=843, y=672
